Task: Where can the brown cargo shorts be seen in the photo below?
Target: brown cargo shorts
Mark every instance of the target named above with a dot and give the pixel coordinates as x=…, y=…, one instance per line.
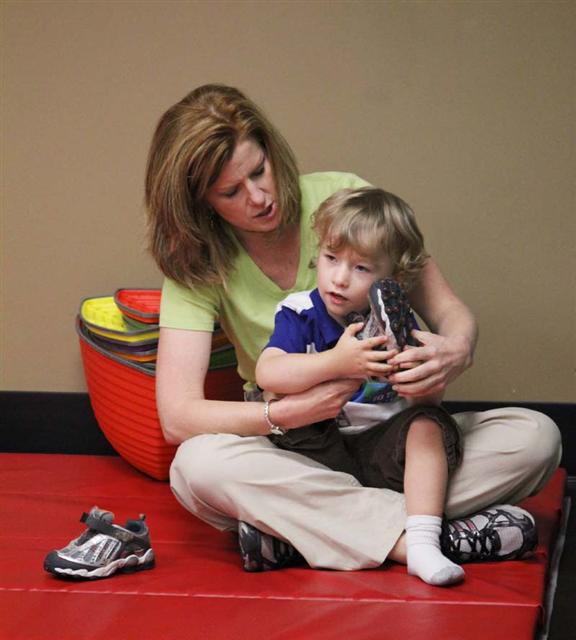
x=375, y=457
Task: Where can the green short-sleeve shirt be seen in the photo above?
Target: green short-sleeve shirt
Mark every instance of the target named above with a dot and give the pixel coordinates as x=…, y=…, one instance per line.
x=246, y=308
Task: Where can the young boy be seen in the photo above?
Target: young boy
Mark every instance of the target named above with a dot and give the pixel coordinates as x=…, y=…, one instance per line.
x=367, y=236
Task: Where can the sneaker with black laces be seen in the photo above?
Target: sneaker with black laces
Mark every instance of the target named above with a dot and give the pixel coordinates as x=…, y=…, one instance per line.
x=263, y=552
x=103, y=549
x=501, y=532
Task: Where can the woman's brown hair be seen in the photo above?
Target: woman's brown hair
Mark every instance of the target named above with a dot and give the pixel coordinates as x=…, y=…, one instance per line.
x=192, y=142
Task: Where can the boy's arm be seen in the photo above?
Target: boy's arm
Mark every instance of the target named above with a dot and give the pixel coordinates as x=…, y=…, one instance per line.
x=285, y=366
x=281, y=372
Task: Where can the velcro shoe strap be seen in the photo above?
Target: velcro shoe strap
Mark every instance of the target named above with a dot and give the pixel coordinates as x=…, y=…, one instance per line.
x=97, y=524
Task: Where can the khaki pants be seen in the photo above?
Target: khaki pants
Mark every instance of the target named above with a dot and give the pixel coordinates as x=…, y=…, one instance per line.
x=331, y=519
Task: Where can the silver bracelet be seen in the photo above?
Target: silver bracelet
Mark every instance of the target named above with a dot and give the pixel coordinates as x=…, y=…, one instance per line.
x=274, y=428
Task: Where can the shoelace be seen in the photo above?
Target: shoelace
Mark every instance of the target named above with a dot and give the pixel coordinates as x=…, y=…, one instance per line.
x=480, y=541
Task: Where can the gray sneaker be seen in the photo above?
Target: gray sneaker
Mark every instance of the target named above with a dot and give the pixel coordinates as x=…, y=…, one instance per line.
x=263, y=552
x=501, y=532
x=103, y=549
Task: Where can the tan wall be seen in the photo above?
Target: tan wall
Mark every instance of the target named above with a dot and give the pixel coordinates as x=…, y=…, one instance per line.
x=467, y=110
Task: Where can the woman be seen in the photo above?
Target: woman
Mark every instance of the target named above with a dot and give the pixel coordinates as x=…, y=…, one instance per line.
x=230, y=229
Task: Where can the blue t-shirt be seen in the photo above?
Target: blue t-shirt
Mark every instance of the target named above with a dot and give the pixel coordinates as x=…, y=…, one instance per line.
x=302, y=325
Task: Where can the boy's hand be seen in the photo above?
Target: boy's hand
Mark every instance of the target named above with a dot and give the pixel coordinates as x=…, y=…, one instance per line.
x=353, y=358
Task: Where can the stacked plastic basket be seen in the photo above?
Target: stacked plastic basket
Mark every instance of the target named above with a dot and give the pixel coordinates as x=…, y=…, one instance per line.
x=119, y=342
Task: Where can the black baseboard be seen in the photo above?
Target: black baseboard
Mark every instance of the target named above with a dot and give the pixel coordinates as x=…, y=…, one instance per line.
x=43, y=422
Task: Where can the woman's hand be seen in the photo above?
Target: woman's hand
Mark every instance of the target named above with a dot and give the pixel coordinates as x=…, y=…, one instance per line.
x=322, y=402
x=447, y=352
x=429, y=368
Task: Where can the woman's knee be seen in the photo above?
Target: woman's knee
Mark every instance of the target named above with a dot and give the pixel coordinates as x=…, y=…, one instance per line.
x=541, y=440
x=526, y=438
x=200, y=464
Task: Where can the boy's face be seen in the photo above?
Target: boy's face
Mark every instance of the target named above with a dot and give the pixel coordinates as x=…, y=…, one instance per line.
x=344, y=278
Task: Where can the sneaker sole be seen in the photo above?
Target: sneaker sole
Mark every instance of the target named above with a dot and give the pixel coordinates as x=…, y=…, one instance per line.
x=129, y=564
x=392, y=313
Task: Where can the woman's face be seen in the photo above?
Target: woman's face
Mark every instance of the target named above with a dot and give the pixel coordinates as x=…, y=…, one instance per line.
x=244, y=193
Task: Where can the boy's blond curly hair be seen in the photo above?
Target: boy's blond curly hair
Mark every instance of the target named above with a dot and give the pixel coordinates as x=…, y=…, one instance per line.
x=374, y=223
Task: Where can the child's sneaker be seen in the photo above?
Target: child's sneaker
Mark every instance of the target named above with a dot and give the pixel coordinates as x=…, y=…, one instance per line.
x=390, y=314
x=502, y=532
x=103, y=549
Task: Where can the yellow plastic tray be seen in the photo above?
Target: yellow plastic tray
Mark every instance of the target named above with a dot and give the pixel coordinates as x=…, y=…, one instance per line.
x=103, y=316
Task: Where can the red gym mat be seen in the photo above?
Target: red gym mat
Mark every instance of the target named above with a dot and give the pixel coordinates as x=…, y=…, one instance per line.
x=198, y=589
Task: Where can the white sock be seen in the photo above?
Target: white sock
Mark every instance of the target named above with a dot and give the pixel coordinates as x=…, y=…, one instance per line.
x=424, y=557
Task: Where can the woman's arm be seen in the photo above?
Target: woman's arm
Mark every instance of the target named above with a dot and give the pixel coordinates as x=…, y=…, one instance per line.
x=183, y=358
x=447, y=352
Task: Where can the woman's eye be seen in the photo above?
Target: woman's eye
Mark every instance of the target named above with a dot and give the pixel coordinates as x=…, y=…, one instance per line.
x=259, y=171
x=231, y=193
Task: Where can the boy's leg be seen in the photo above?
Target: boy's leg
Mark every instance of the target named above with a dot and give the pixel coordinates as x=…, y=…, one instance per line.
x=426, y=470
x=511, y=443
x=381, y=450
x=425, y=481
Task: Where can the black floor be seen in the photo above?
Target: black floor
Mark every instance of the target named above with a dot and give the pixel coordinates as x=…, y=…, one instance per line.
x=563, y=622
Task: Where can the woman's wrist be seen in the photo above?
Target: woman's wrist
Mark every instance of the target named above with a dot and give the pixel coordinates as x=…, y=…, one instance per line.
x=283, y=412
x=273, y=427
x=464, y=346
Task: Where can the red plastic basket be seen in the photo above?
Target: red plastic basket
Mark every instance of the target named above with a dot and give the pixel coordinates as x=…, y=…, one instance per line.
x=140, y=304
x=122, y=395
